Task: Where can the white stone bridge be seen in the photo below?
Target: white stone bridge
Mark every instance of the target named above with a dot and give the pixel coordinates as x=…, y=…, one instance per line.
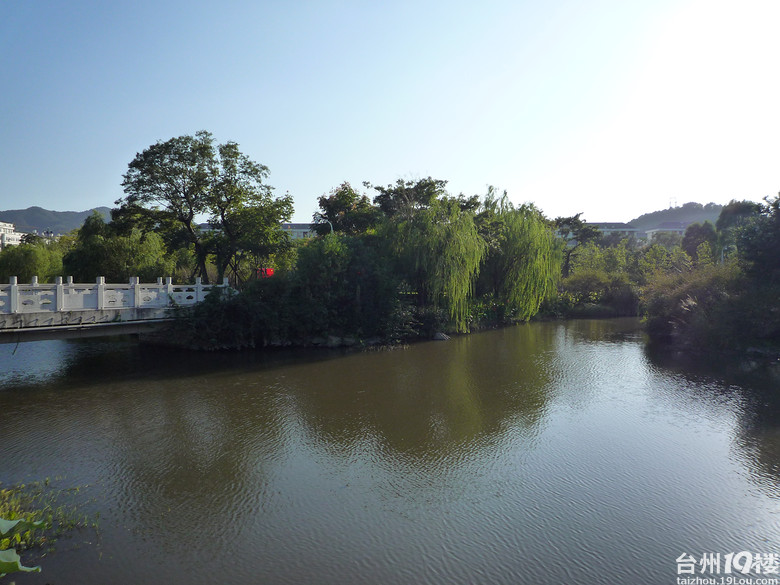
x=30, y=312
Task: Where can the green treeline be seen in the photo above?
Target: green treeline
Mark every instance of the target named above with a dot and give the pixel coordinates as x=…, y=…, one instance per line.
x=729, y=298
x=408, y=261
x=717, y=287
x=413, y=262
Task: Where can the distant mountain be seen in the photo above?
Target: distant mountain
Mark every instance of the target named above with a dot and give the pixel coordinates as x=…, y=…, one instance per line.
x=41, y=220
x=61, y=222
x=687, y=213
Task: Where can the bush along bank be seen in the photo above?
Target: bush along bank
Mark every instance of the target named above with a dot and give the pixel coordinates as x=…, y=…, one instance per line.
x=433, y=263
x=276, y=313
x=731, y=305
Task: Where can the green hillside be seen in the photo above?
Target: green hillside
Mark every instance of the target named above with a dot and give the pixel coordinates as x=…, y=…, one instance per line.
x=688, y=212
x=41, y=220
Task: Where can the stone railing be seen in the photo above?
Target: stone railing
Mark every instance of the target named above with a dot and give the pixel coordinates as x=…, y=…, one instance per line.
x=18, y=298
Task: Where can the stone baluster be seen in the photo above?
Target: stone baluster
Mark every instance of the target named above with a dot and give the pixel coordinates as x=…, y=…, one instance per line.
x=101, y=292
x=135, y=282
x=13, y=294
x=59, y=294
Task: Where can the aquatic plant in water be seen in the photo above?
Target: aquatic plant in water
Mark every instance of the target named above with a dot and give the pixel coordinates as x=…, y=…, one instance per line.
x=31, y=517
x=10, y=562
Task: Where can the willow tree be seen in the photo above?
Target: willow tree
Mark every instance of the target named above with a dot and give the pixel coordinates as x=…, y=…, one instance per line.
x=439, y=251
x=524, y=259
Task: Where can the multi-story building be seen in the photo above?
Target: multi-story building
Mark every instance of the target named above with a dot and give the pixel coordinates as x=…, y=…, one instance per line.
x=9, y=236
x=609, y=228
x=673, y=227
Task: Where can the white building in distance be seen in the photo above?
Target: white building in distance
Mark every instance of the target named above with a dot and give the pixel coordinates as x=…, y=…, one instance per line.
x=9, y=236
x=298, y=231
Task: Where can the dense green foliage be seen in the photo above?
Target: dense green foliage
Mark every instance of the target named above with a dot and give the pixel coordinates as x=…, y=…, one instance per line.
x=99, y=251
x=437, y=252
x=345, y=210
x=425, y=262
x=27, y=260
x=716, y=287
x=171, y=184
x=523, y=259
x=413, y=261
x=725, y=300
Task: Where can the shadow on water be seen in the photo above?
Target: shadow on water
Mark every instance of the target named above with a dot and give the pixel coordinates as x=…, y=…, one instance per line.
x=76, y=363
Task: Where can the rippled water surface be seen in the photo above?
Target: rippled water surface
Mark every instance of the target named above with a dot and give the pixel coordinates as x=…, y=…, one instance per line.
x=546, y=453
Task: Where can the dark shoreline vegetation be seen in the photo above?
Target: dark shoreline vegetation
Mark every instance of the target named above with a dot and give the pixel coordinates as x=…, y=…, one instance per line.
x=412, y=262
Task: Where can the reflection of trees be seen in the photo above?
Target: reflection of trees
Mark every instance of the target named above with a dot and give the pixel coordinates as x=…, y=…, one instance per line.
x=195, y=449
x=184, y=436
x=187, y=437
x=432, y=400
x=759, y=426
x=749, y=390
x=604, y=329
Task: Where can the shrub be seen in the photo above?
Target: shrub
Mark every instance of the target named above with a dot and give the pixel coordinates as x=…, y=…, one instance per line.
x=697, y=309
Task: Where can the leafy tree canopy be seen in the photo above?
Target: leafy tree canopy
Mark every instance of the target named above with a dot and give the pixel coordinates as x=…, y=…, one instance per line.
x=188, y=177
x=758, y=241
x=697, y=234
x=736, y=212
x=345, y=210
x=100, y=251
x=28, y=260
x=523, y=261
x=407, y=197
x=576, y=233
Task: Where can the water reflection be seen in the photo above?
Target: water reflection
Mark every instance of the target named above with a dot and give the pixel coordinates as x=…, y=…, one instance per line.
x=430, y=402
x=735, y=388
x=459, y=462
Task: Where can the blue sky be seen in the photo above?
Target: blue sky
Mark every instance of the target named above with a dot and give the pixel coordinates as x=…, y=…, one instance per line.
x=609, y=107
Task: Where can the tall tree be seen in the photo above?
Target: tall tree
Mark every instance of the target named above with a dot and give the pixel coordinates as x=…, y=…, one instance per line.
x=186, y=178
x=345, y=210
x=406, y=198
x=439, y=252
x=697, y=234
x=735, y=213
x=576, y=233
x=523, y=261
x=758, y=241
x=243, y=210
x=171, y=180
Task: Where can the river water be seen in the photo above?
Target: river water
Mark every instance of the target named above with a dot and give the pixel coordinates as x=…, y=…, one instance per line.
x=546, y=453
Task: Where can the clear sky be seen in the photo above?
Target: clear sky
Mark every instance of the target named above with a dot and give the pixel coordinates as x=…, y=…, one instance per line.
x=609, y=107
